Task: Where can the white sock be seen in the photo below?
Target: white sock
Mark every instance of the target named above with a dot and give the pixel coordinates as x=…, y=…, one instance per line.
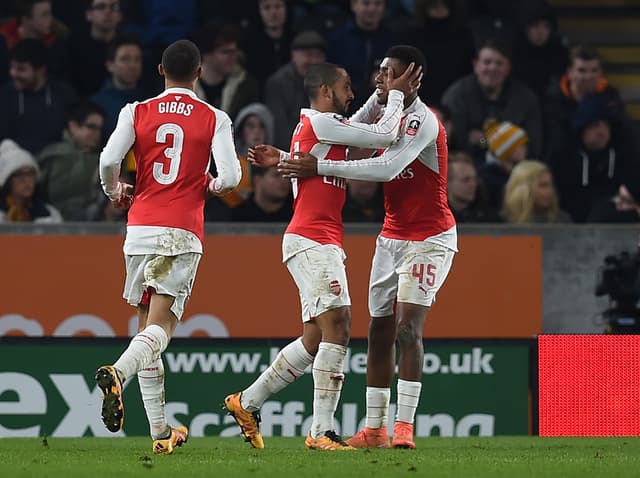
x=142, y=350
x=328, y=377
x=377, y=407
x=151, y=382
x=408, y=397
x=288, y=366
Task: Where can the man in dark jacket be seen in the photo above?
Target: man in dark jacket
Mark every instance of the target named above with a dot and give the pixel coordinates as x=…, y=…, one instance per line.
x=88, y=46
x=584, y=76
x=590, y=172
x=490, y=92
x=284, y=92
x=361, y=41
x=69, y=169
x=34, y=106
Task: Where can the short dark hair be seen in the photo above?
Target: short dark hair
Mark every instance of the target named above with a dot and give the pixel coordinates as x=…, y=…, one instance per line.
x=121, y=40
x=213, y=35
x=318, y=75
x=181, y=60
x=81, y=111
x=407, y=54
x=24, y=8
x=581, y=52
x=88, y=4
x=496, y=45
x=30, y=51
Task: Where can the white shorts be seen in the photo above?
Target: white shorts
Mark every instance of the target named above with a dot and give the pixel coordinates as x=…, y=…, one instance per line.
x=320, y=275
x=406, y=271
x=170, y=275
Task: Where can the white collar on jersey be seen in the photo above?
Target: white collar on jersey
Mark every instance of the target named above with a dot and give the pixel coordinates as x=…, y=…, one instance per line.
x=182, y=91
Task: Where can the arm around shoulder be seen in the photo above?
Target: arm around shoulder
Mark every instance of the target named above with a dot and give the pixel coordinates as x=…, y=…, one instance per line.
x=334, y=129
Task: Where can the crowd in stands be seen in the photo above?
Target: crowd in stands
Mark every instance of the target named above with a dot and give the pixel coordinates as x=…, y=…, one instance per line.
x=536, y=133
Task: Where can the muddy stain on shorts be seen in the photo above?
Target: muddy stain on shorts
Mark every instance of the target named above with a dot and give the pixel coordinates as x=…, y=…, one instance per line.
x=159, y=268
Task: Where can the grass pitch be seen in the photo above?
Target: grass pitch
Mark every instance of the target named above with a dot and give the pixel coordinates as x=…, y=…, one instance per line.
x=283, y=457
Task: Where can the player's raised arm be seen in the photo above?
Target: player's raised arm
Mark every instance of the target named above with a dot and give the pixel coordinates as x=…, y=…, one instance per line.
x=115, y=150
x=335, y=129
x=381, y=169
x=225, y=157
x=369, y=111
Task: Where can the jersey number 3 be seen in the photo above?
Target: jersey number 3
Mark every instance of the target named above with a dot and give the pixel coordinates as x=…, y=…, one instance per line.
x=172, y=152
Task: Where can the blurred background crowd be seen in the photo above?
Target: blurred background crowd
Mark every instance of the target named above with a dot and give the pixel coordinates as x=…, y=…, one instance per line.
x=537, y=133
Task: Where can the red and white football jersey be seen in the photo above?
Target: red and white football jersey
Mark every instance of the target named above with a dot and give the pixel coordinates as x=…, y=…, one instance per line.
x=414, y=170
x=318, y=201
x=173, y=137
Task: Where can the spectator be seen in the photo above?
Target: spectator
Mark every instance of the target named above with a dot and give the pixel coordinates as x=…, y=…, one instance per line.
x=507, y=145
x=284, y=91
x=584, y=77
x=490, y=93
x=124, y=63
x=34, y=106
x=444, y=115
x=447, y=43
x=530, y=196
x=252, y=126
x=591, y=172
x=88, y=46
x=466, y=199
x=364, y=202
x=540, y=55
x=35, y=21
x=19, y=198
x=70, y=168
x=360, y=42
x=270, y=201
x=224, y=83
x=267, y=45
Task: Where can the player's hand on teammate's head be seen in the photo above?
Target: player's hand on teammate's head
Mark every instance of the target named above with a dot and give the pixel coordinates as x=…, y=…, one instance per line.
x=263, y=156
x=408, y=82
x=301, y=165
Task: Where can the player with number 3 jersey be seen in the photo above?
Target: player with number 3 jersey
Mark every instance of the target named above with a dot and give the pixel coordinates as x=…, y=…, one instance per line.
x=173, y=137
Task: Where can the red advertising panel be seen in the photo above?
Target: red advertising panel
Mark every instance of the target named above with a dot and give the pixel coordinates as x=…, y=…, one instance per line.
x=589, y=385
x=72, y=285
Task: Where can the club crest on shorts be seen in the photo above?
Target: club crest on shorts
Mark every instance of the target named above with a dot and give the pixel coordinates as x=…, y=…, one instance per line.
x=412, y=129
x=335, y=287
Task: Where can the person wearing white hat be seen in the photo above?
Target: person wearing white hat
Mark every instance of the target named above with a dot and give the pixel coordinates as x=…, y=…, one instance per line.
x=19, y=201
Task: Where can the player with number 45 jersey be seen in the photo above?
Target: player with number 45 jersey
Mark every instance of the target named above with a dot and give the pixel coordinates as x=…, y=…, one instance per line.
x=414, y=251
x=173, y=137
